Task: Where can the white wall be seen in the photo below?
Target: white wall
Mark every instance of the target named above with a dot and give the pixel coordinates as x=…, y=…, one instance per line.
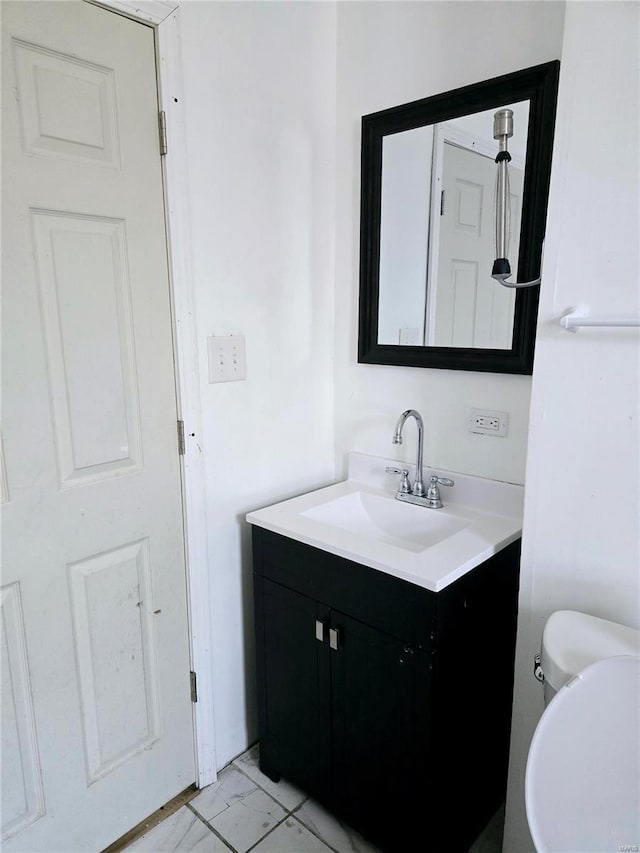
x=390, y=53
x=404, y=233
x=259, y=82
x=274, y=93
x=581, y=543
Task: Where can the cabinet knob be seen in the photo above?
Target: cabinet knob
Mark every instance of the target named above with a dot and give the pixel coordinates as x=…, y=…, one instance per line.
x=319, y=631
x=334, y=637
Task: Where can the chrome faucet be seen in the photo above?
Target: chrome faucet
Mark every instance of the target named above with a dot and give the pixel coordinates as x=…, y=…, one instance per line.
x=418, y=486
x=417, y=494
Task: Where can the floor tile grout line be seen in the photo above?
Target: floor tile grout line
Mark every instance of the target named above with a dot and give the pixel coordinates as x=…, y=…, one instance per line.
x=273, y=829
x=293, y=817
x=259, y=787
x=214, y=831
x=317, y=834
x=313, y=832
x=299, y=806
x=289, y=812
x=282, y=806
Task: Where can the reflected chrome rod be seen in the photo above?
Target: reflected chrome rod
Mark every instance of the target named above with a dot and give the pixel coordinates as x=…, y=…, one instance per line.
x=503, y=131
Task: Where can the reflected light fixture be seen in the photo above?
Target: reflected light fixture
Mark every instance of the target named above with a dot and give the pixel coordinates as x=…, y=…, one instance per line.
x=502, y=131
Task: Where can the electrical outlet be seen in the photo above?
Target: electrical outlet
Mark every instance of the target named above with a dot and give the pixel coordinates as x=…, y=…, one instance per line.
x=227, y=358
x=487, y=422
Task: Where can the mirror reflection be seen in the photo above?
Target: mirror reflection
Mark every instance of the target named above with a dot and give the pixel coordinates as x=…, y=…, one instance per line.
x=437, y=231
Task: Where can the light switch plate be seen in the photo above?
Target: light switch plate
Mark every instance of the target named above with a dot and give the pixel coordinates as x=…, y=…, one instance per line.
x=409, y=336
x=227, y=358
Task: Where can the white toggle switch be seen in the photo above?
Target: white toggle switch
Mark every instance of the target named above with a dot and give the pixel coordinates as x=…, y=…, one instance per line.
x=227, y=358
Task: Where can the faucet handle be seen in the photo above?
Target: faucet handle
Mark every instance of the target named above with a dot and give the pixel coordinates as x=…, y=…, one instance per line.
x=442, y=481
x=433, y=492
x=405, y=485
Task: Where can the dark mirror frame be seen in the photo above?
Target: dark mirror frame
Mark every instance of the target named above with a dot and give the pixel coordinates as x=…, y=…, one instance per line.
x=538, y=85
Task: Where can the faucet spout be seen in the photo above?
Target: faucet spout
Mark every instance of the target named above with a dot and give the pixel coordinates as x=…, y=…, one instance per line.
x=418, y=485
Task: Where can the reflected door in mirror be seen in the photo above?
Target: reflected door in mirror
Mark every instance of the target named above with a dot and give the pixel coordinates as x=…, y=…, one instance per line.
x=464, y=306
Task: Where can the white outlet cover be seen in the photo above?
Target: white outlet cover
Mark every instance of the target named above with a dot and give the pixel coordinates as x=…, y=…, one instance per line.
x=480, y=422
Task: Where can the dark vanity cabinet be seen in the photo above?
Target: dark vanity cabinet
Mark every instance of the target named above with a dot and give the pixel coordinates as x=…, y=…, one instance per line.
x=388, y=703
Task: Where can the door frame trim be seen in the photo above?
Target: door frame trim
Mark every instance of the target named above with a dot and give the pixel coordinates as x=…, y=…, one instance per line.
x=164, y=17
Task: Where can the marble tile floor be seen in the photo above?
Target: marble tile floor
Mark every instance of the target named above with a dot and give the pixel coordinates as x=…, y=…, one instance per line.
x=245, y=811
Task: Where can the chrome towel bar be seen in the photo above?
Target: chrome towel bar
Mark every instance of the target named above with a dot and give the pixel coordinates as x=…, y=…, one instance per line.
x=573, y=319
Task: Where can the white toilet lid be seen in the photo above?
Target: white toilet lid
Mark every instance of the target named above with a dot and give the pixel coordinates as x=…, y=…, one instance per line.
x=583, y=772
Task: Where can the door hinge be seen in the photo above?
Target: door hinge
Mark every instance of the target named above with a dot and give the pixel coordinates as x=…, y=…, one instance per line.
x=442, y=203
x=181, y=445
x=162, y=129
x=194, y=686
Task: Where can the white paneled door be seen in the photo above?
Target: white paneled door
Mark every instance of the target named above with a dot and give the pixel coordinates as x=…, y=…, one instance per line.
x=471, y=309
x=97, y=725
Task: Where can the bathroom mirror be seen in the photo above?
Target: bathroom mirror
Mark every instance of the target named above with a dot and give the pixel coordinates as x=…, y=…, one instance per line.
x=427, y=227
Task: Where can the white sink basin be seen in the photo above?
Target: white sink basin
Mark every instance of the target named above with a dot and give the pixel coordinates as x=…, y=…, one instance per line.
x=387, y=520
x=361, y=520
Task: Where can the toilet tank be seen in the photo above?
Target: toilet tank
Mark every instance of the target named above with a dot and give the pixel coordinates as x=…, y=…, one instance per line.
x=571, y=641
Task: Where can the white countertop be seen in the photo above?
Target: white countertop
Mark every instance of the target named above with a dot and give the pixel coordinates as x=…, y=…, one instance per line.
x=479, y=518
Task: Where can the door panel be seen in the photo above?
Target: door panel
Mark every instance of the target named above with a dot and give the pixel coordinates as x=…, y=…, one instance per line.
x=47, y=80
x=22, y=803
x=95, y=633
x=115, y=645
x=379, y=698
x=296, y=742
x=97, y=433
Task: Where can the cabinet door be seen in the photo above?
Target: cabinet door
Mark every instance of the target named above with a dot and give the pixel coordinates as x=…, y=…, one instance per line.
x=381, y=726
x=293, y=669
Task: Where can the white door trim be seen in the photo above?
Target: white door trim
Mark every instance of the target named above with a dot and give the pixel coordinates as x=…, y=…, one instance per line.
x=148, y=11
x=165, y=19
